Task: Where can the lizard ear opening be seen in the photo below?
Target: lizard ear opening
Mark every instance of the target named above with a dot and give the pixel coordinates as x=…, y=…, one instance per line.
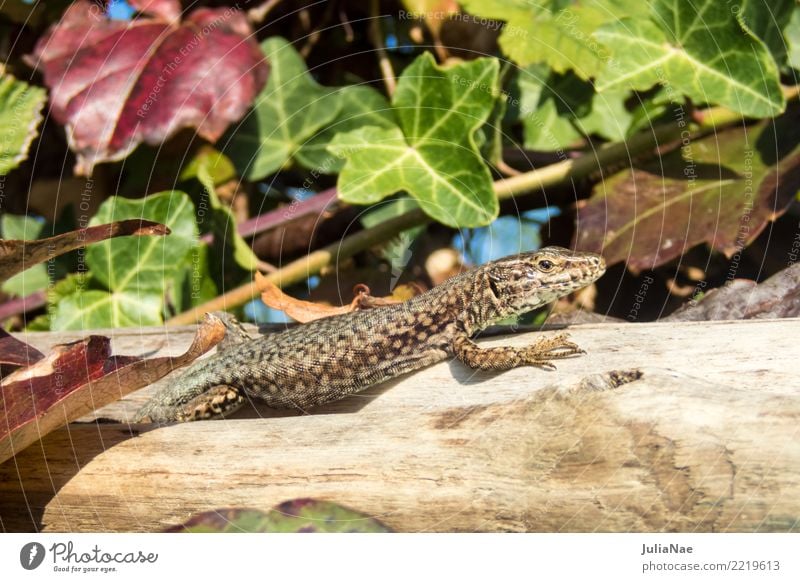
x=493, y=280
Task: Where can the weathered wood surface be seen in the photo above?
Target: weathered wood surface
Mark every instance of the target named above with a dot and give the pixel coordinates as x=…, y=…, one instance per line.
x=705, y=440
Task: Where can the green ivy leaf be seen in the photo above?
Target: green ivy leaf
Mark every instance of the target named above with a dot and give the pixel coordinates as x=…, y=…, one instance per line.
x=545, y=128
x=20, y=114
x=698, y=48
x=195, y=285
x=35, y=277
x=212, y=168
x=131, y=275
x=557, y=111
x=431, y=153
x=100, y=309
x=767, y=21
x=555, y=32
x=792, y=33
x=290, y=110
x=144, y=264
x=70, y=285
x=358, y=106
x=609, y=117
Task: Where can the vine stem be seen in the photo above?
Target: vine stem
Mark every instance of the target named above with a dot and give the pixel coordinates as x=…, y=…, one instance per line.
x=376, y=36
x=552, y=175
x=259, y=13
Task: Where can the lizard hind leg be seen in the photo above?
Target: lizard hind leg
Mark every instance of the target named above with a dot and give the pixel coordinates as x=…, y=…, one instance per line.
x=217, y=402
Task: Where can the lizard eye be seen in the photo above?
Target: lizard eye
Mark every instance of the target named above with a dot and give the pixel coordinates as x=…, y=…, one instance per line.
x=544, y=265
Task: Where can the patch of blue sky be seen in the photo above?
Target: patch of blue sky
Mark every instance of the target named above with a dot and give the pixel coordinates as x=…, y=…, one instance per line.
x=120, y=10
x=507, y=235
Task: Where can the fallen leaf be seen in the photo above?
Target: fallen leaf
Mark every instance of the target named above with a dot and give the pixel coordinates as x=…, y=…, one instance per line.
x=78, y=378
x=305, y=311
x=116, y=84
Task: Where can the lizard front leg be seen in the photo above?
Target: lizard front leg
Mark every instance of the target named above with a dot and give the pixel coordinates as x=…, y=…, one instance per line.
x=215, y=402
x=505, y=358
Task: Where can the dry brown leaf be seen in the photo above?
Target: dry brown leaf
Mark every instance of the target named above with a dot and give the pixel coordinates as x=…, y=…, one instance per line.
x=305, y=311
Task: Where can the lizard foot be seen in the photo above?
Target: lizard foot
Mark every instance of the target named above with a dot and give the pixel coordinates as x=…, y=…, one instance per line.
x=217, y=402
x=555, y=348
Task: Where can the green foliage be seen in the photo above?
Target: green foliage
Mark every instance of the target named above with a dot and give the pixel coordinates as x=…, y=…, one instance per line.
x=211, y=168
x=703, y=50
x=767, y=20
x=555, y=32
x=793, y=40
x=575, y=75
x=557, y=111
x=20, y=114
x=712, y=60
x=130, y=276
x=358, y=106
x=431, y=153
x=289, y=111
x=296, y=116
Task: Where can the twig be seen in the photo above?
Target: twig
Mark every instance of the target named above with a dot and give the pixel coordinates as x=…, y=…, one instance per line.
x=376, y=36
x=348, y=30
x=259, y=13
x=19, y=305
x=295, y=210
x=256, y=225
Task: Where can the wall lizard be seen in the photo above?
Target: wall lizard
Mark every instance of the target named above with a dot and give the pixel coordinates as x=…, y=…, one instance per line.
x=331, y=358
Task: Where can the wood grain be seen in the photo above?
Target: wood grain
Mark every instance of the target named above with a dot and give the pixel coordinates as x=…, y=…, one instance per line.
x=705, y=440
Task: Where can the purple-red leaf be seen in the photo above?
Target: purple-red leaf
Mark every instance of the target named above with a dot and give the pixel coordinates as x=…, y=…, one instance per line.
x=16, y=352
x=77, y=378
x=297, y=515
x=721, y=189
x=167, y=9
x=117, y=84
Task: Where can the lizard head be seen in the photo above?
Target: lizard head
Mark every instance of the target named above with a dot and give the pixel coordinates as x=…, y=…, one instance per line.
x=524, y=282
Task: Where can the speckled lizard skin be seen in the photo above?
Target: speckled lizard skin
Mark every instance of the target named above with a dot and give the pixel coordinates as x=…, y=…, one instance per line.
x=329, y=359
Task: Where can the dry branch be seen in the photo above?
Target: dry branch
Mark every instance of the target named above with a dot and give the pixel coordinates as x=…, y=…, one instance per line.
x=705, y=440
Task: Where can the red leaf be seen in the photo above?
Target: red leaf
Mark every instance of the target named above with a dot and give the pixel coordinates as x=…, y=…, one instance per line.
x=721, y=189
x=117, y=84
x=77, y=378
x=167, y=9
x=16, y=352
